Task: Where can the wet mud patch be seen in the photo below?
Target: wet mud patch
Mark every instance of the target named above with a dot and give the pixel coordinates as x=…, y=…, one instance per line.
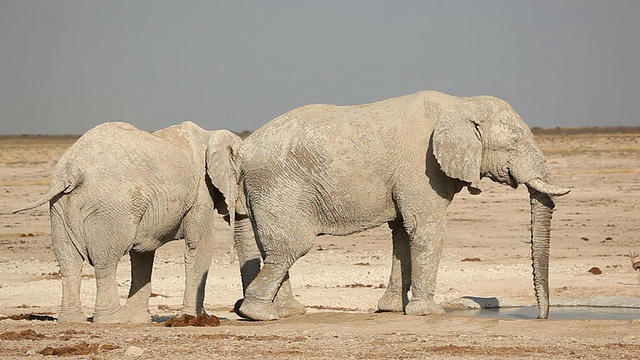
x=555, y=312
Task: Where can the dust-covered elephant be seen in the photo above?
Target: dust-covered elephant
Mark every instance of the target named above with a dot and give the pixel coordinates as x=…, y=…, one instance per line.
x=122, y=190
x=339, y=170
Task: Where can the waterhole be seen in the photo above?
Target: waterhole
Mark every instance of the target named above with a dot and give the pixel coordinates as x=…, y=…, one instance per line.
x=555, y=312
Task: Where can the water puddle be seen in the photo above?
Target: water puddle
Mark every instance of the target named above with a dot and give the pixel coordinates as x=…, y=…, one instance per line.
x=555, y=312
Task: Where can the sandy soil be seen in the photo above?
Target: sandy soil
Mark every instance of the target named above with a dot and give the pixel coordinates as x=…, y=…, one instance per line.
x=340, y=281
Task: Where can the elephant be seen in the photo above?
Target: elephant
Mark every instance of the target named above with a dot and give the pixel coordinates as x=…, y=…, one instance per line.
x=121, y=190
x=339, y=170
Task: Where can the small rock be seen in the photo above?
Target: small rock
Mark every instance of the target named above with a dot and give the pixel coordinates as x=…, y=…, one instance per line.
x=595, y=271
x=31, y=352
x=471, y=259
x=134, y=351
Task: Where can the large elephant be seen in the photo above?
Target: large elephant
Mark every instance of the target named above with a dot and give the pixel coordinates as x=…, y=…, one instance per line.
x=119, y=189
x=339, y=170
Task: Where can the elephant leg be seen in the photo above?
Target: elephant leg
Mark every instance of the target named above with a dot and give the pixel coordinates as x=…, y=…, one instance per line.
x=70, y=262
x=249, y=254
x=137, y=305
x=108, y=309
x=395, y=296
x=285, y=302
x=197, y=260
x=281, y=250
x=426, y=238
x=70, y=308
x=249, y=257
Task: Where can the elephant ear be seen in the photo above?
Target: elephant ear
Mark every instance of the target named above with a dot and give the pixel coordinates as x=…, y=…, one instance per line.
x=457, y=145
x=221, y=150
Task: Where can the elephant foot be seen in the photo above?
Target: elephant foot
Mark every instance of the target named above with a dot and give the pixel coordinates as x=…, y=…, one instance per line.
x=289, y=307
x=257, y=310
x=137, y=316
x=111, y=317
x=72, y=317
x=423, y=307
x=391, y=302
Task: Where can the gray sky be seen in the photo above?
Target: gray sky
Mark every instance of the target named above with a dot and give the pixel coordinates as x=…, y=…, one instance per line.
x=66, y=66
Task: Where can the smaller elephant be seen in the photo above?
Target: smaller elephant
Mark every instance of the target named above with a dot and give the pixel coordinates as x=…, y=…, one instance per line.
x=121, y=190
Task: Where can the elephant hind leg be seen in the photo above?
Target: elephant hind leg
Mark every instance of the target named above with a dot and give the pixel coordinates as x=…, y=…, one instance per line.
x=108, y=308
x=70, y=262
x=70, y=307
x=285, y=301
x=282, y=250
x=137, y=306
x=395, y=297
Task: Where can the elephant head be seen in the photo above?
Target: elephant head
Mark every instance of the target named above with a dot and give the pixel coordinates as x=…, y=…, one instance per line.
x=484, y=137
x=213, y=149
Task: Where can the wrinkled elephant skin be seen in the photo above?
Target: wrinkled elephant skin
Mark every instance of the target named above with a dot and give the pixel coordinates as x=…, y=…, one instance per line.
x=122, y=190
x=339, y=170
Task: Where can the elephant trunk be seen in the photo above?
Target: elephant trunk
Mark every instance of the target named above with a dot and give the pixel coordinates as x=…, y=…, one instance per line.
x=541, y=212
x=535, y=173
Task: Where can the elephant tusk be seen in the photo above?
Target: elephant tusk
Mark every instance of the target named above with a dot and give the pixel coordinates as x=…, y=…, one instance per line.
x=546, y=188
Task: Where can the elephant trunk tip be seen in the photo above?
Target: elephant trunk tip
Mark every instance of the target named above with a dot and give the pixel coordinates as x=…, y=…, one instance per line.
x=547, y=188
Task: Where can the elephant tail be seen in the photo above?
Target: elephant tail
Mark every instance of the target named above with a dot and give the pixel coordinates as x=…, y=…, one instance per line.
x=59, y=185
x=234, y=182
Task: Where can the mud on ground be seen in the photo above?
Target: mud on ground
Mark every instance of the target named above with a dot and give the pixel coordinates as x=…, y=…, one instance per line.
x=340, y=281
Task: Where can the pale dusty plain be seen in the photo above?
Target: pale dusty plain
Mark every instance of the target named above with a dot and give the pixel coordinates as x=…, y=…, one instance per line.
x=341, y=279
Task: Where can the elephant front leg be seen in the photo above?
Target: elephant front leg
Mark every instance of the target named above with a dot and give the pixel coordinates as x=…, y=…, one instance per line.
x=395, y=296
x=249, y=255
x=426, y=249
x=137, y=305
x=197, y=260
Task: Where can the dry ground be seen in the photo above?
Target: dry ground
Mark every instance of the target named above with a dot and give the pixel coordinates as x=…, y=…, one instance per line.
x=342, y=278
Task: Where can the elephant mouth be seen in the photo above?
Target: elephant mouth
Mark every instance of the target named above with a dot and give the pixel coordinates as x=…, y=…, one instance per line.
x=508, y=180
x=512, y=181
